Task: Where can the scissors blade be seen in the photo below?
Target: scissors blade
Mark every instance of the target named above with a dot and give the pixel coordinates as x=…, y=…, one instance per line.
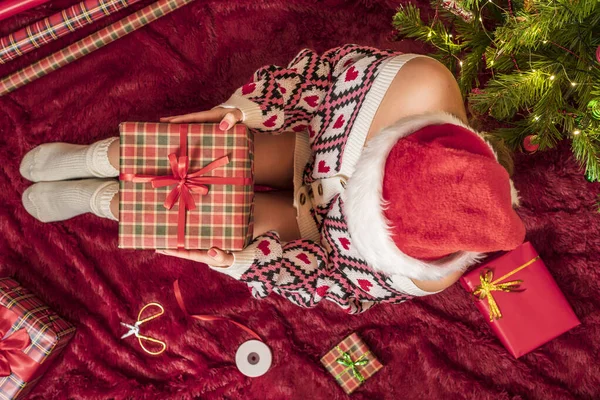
x=131, y=330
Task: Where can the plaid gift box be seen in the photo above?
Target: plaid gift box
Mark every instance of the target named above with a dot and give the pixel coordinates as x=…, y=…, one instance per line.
x=222, y=195
x=351, y=363
x=41, y=332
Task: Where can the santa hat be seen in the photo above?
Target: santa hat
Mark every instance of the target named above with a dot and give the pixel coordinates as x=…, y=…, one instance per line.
x=428, y=197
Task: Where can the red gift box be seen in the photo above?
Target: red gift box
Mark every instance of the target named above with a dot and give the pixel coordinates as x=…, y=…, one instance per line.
x=521, y=301
x=32, y=336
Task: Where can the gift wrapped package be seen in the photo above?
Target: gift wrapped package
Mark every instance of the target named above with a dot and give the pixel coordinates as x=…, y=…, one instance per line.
x=185, y=186
x=351, y=363
x=520, y=300
x=32, y=336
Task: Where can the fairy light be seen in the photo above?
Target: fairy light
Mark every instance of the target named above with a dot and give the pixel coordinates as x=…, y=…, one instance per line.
x=461, y=63
x=429, y=34
x=537, y=117
x=573, y=84
x=545, y=41
x=576, y=132
x=552, y=77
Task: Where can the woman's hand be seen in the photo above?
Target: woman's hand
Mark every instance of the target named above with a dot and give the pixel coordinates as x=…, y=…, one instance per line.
x=213, y=257
x=228, y=117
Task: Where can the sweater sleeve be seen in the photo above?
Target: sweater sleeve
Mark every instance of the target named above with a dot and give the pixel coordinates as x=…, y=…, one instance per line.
x=279, y=99
x=298, y=270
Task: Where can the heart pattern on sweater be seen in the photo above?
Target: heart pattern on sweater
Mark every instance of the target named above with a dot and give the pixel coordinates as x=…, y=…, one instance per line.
x=270, y=122
x=322, y=167
x=345, y=243
x=311, y=132
x=322, y=290
x=299, y=128
x=282, y=90
x=264, y=247
x=364, y=284
x=304, y=258
x=339, y=122
x=351, y=74
x=312, y=100
x=248, y=88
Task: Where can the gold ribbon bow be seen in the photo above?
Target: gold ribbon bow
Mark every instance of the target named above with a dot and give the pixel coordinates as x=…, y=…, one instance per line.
x=487, y=286
x=135, y=329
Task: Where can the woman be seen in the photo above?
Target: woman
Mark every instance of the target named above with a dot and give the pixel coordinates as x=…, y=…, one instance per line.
x=385, y=192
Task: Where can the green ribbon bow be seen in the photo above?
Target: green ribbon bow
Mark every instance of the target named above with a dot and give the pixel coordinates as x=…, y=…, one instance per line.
x=346, y=360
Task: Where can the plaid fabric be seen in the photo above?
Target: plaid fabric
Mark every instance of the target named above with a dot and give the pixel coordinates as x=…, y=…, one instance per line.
x=57, y=25
x=222, y=218
x=89, y=44
x=49, y=333
x=355, y=346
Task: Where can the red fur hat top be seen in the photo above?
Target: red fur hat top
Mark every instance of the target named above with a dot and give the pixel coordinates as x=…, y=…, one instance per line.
x=446, y=192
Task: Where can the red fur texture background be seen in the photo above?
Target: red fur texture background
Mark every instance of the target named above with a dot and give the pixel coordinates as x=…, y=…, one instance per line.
x=433, y=348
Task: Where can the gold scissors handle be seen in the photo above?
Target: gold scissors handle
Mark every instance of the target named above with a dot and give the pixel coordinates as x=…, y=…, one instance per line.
x=152, y=340
x=134, y=329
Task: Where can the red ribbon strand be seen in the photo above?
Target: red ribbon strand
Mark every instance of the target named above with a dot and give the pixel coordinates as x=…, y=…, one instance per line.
x=181, y=304
x=186, y=182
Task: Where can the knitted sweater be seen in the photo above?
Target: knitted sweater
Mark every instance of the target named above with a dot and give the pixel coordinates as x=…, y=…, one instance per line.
x=330, y=101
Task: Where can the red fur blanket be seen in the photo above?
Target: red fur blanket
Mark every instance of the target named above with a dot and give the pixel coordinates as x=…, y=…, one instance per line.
x=433, y=348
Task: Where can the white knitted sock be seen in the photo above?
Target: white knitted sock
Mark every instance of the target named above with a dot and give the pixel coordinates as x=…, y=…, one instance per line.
x=57, y=201
x=62, y=161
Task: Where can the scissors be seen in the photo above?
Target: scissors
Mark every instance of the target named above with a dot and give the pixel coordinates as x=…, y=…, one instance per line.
x=135, y=329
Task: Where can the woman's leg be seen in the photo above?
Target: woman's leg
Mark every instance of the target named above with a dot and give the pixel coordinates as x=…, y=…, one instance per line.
x=274, y=211
x=56, y=201
x=274, y=167
x=274, y=160
x=63, y=161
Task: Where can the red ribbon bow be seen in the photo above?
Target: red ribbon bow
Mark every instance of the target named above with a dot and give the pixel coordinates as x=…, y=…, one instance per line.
x=12, y=358
x=187, y=183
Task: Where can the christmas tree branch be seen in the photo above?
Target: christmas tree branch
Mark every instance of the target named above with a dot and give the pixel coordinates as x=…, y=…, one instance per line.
x=587, y=150
x=508, y=93
x=542, y=58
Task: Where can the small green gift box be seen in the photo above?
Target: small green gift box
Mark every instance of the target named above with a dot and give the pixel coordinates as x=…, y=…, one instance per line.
x=351, y=363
